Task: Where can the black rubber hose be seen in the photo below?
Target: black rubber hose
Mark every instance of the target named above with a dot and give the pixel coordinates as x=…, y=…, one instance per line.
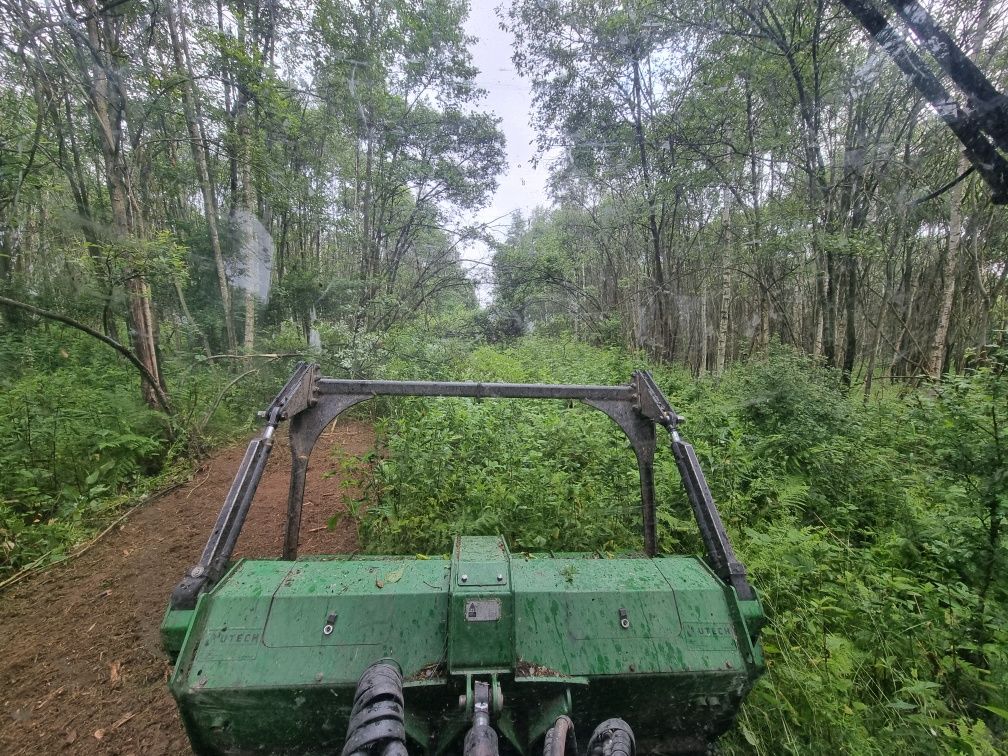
x=376, y=720
x=612, y=738
x=560, y=740
x=481, y=740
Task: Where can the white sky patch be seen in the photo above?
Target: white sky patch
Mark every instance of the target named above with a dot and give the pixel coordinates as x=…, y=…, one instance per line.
x=521, y=186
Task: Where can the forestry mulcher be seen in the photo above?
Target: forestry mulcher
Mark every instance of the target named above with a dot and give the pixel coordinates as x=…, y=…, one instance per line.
x=482, y=652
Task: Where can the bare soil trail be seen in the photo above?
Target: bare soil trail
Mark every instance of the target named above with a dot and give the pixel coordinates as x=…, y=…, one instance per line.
x=81, y=667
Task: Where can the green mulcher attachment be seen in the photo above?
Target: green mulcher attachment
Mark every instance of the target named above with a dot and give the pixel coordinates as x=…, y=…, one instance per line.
x=483, y=652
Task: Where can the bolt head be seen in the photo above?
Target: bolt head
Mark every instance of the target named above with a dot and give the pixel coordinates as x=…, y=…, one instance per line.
x=196, y=571
x=465, y=578
x=500, y=578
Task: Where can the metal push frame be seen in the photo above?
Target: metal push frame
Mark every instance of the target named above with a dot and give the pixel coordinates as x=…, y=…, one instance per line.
x=310, y=402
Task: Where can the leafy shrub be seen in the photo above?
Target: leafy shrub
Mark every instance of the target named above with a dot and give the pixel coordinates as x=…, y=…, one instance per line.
x=71, y=441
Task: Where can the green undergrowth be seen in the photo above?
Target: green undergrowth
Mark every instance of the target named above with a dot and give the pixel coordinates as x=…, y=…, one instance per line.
x=73, y=446
x=866, y=527
x=77, y=444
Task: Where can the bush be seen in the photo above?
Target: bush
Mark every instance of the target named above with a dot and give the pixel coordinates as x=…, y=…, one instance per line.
x=71, y=441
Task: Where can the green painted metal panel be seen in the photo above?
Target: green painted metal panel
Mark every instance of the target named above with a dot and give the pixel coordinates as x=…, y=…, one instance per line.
x=258, y=671
x=173, y=630
x=480, y=561
x=568, y=617
x=481, y=618
x=264, y=625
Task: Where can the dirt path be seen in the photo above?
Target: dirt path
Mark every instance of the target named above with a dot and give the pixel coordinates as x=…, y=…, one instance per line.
x=81, y=667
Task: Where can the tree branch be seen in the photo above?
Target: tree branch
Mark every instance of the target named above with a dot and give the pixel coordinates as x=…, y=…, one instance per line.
x=145, y=374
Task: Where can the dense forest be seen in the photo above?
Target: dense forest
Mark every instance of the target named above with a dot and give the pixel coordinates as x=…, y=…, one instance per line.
x=727, y=174
x=745, y=196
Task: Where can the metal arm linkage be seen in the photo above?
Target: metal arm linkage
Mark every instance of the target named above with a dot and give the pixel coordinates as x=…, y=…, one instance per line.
x=311, y=403
x=293, y=398
x=720, y=554
x=986, y=111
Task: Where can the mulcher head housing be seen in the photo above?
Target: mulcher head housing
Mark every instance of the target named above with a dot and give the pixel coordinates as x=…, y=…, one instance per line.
x=484, y=651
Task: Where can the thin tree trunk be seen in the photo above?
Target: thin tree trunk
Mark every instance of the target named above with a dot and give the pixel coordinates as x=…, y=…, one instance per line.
x=819, y=307
x=850, y=340
x=246, y=197
x=797, y=314
x=108, y=105
x=937, y=357
x=702, y=362
x=817, y=344
x=659, y=273
x=829, y=309
x=722, y=338
x=198, y=148
x=877, y=338
x=764, y=316
x=190, y=319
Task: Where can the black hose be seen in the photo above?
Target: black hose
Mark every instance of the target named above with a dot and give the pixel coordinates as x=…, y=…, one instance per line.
x=612, y=738
x=560, y=740
x=481, y=740
x=376, y=720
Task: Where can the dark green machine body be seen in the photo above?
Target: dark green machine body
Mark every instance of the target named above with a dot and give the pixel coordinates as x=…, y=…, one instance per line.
x=662, y=642
x=481, y=652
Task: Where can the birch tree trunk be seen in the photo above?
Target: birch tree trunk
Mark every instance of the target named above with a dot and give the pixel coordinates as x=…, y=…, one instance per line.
x=198, y=147
x=702, y=362
x=819, y=338
x=655, y=236
x=244, y=208
x=877, y=337
x=937, y=358
x=722, y=337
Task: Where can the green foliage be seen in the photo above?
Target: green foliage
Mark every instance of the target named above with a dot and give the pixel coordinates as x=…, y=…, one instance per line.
x=546, y=476
x=71, y=441
x=77, y=442
x=866, y=528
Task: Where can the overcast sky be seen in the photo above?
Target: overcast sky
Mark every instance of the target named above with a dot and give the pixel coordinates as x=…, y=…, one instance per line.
x=520, y=187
